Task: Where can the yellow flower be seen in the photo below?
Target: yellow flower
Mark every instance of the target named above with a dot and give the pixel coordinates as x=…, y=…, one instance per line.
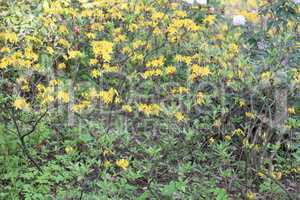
x=182, y=90
x=187, y=60
x=227, y=138
x=209, y=19
x=118, y=100
x=5, y=50
x=103, y=48
x=180, y=13
x=62, y=29
x=95, y=73
x=149, y=109
x=69, y=149
x=25, y=87
x=21, y=104
x=107, y=152
x=9, y=37
x=179, y=116
x=211, y=140
x=276, y=175
x=179, y=90
x=4, y=63
x=93, y=61
x=61, y=66
x=108, y=96
x=54, y=82
x=291, y=110
x=92, y=93
x=137, y=44
x=106, y=164
x=179, y=58
x=50, y=50
x=119, y=39
x=157, y=16
x=64, y=96
x=75, y=54
x=261, y=175
x=200, y=98
x=91, y=35
x=107, y=68
x=298, y=169
x=150, y=73
x=242, y=102
x=238, y=132
x=220, y=36
x=250, y=196
x=127, y=108
x=30, y=55
x=233, y=48
x=97, y=27
x=252, y=3
x=33, y=39
x=156, y=63
x=63, y=43
x=41, y=87
x=266, y=76
x=171, y=70
x=48, y=99
x=198, y=71
x=250, y=115
x=250, y=16
x=81, y=106
x=122, y=163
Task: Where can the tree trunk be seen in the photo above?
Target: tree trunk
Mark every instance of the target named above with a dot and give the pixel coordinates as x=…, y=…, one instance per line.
x=71, y=114
x=281, y=112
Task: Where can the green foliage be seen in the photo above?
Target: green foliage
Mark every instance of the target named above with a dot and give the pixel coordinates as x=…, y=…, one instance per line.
x=214, y=129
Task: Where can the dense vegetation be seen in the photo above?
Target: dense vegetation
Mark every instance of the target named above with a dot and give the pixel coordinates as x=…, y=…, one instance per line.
x=149, y=99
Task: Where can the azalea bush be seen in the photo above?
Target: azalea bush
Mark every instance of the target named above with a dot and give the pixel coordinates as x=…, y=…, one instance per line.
x=149, y=99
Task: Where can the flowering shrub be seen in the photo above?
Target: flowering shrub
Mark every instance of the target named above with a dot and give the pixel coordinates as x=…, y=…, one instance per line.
x=150, y=99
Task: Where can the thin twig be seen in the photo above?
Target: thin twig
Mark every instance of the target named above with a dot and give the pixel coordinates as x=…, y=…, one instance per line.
x=23, y=144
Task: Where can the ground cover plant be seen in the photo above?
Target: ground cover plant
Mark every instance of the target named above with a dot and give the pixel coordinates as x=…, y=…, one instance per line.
x=149, y=99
